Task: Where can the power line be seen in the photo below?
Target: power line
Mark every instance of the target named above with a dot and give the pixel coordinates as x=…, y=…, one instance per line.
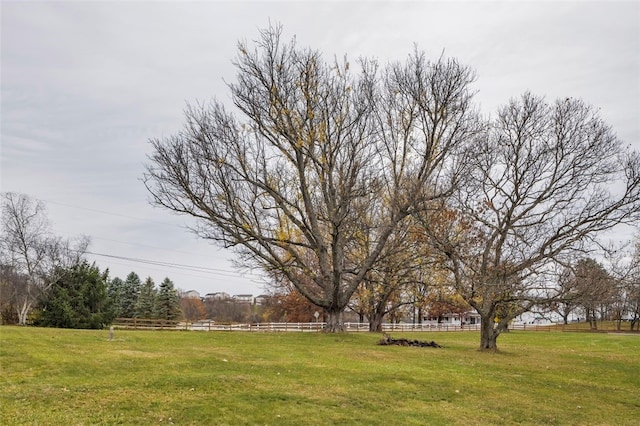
x=144, y=261
x=136, y=244
x=179, y=266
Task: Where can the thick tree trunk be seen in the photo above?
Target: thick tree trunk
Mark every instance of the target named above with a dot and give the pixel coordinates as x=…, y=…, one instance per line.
x=335, y=321
x=375, y=322
x=488, y=335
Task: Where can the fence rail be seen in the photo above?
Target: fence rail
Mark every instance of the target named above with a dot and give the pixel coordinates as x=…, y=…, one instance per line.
x=152, y=324
x=206, y=325
x=146, y=323
x=318, y=326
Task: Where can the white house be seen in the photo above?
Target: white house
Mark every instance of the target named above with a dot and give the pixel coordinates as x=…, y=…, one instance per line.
x=243, y=298
x=262, y=299
x=191, y=294
x=217, y=296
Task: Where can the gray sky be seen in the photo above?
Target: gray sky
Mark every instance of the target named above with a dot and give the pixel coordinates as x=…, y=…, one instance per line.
x=84, y=85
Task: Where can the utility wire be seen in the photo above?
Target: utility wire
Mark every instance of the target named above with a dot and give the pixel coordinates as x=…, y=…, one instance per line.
x=189, y=268
x=179, y=266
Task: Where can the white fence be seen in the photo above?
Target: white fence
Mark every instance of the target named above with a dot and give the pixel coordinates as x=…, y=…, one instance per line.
x=206, y=325
x=319, y=326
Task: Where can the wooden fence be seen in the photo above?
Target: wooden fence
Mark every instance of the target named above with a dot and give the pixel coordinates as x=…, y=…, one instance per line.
x=146, y=324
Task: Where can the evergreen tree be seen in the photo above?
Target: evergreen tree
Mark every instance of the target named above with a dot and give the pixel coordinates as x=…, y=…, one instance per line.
x=77, y=299
x=115, y=293
x=168, y=301
x=131, y=291
x=145, y=308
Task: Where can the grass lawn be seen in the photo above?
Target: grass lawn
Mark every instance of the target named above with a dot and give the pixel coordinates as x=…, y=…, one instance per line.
x=76, y=377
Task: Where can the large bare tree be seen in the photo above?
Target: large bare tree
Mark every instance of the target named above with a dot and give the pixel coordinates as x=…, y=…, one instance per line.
x=29, y=248
x=316, y=152
x=543, y=183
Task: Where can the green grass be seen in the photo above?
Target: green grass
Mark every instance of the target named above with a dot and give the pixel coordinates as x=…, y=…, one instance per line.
x=73, y=377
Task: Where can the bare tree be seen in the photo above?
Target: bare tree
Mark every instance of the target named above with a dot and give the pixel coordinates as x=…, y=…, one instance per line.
x=11, y=283
x=228, y=310
x=632, y=294
x=625, y=269
x=30, y=249
x=569, y=294
x=192, y=309
x=288, y=305
x=391, y=284
x=25, y=245
x=544, y=182
x=319, y=152
x=596, y=289
x=632, y=288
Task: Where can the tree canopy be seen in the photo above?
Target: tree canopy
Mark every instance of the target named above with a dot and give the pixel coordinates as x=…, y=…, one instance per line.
x=319, y=154
x=315, y=173
x=542, y=183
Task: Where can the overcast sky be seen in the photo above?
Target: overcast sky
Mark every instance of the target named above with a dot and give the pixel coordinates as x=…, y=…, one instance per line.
x=84, y=85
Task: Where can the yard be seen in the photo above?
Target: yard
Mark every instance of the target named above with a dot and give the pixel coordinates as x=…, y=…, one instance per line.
x=73, y=377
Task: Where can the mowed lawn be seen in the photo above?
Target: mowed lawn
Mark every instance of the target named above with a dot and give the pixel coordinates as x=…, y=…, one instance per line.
x=74, y=377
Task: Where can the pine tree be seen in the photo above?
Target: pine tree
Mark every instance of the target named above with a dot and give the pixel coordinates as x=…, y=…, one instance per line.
x=130, y=293
x=168, y=301
x=77, y=299
x=145, y=308
x=115, y=293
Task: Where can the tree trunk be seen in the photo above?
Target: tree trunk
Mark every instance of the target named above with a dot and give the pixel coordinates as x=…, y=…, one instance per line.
x=335, y=321
x=591, y=317
x=23, y=311
x=488, y=334
x=375, y=322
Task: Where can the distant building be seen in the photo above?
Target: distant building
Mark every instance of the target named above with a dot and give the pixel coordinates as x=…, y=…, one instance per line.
x=221, y=295
x=191, y=294
x=262, y=299
x=243, y=298
x=537, y=319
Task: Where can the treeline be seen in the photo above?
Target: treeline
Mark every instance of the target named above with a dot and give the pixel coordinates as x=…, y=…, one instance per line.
x=277, y=307
x=133, y=298
x=83, y=296
x=46, y=280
